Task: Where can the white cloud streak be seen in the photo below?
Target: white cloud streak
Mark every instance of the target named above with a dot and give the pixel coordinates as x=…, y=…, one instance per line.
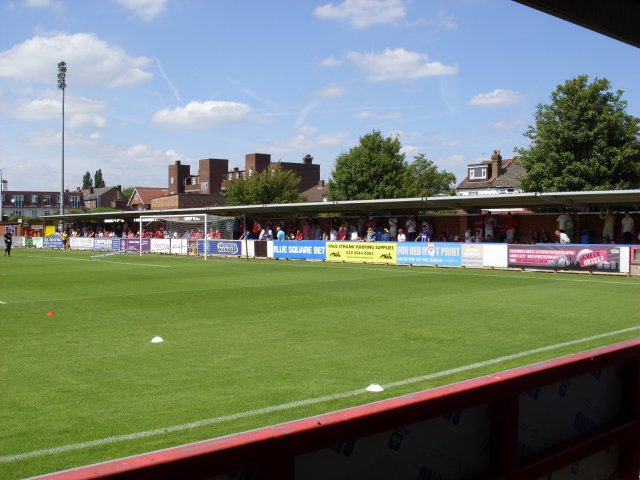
x=497, y=98
x=399, y=64
x=145, y=10
x=363, y=13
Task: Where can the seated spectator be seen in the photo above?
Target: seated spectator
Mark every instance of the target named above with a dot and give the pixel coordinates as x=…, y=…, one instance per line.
x=371, y=235
x=401, y=236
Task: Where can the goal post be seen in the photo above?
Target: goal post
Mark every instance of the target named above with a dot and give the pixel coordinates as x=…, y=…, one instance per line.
x=182, y=234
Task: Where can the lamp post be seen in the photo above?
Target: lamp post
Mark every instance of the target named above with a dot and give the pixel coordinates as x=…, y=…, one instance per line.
x=62, y=75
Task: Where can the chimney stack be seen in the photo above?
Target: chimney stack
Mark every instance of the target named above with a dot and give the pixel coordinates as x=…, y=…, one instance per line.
x=496, y=164
x=307, y=159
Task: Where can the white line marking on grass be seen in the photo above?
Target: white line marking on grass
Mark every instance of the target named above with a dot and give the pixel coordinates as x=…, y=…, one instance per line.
x=300, y=403
x=100, y=261
x=3, y=303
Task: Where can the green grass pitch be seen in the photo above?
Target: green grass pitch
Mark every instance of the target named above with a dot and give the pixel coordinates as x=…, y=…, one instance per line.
x=250, y=343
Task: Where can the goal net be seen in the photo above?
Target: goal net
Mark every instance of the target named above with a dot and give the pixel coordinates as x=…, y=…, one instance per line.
x=183, y=234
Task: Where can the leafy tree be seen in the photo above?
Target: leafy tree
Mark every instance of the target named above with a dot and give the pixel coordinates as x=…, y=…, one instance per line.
x=583, y=140
x=97, y=178
x=274, y=185
x=424, y=179
x=127, y=192
x=86, y=181
x=372, y=170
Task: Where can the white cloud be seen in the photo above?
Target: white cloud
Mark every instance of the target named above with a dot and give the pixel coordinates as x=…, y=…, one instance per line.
x=497, y=98
x=90, y=61
x=203, y=114
x=55, y=5
x=399, y=64
x=306, y=139
x=367, y=115
x=508, y=125
x=410, y=150
x=79, y=112
x=331, y=90
x=330, y=62
x=363, y=13
x=146, y=10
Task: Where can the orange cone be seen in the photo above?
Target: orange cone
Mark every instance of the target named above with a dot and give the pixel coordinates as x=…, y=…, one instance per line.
x=51, y=314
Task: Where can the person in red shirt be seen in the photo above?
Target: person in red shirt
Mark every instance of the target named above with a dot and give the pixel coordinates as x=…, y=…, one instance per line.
x=512, y=225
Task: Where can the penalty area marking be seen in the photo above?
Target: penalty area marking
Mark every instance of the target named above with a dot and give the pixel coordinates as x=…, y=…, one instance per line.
x=300, y=403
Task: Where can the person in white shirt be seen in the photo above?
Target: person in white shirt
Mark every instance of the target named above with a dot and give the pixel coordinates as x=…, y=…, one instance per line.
x=564, y=238
x=401, y=236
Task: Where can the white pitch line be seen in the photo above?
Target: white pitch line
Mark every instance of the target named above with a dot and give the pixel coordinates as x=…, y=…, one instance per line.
x=3, y=303
x=300, y=403
x=100, y=261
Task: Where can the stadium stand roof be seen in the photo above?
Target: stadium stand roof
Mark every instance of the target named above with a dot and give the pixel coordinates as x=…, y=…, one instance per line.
x=580, y=201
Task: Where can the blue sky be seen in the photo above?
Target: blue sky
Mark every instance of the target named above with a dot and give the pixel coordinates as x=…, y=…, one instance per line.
x=154, y=81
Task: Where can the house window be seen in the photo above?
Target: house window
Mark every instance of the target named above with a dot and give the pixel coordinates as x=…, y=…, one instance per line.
x=47, y=200
x=47, y=212
x=75, y=201
x=18, y=201
x=171, y=180
x=34, y=213
x=204, y=187
x=34, y=198
x=477, y=173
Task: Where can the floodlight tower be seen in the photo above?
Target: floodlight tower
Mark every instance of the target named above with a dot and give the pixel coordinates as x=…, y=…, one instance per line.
x=62, y=76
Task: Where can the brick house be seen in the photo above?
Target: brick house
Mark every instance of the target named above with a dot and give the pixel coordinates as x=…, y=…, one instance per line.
x=110, y=197
x=213, y=174
x=142, y=196
x=32, y=204
x=491, y=177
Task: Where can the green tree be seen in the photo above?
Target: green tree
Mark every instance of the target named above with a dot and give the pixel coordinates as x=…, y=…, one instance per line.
x=424, y=179
x=127, y=192
x=374, y=169
x=97, y=178
x=274, y=185
x=582, y=141
x=86, y=181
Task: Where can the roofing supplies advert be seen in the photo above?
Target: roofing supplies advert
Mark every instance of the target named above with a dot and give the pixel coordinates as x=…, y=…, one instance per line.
x=362, y=252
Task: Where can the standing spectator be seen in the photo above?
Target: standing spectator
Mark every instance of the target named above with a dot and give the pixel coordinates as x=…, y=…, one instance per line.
x=512, y=226
x=280, y=235
x=333, y=235
x=563, y=220
x=401, y=236
x=386, y=236
x=342, y=233
x=627, y=227
x=411, y=228
x=8, y=240
x=393, y=227
x=423, y=236
x=609, y=225
x=299, y=235
x=479, y=222
x=489, y=227
x=564, y=238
